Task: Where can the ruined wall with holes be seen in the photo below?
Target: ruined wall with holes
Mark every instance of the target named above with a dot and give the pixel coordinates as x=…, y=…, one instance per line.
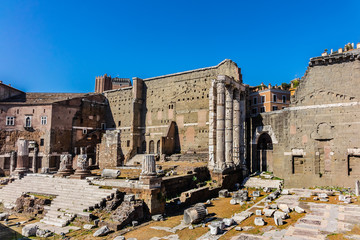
x=315, y=140
x=182, y=98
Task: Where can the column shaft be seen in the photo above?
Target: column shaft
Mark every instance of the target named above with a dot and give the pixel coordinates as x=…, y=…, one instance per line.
x=236, y=128
x=212, y=125
x=220, y=126
x=229, y=127
x=34, y=160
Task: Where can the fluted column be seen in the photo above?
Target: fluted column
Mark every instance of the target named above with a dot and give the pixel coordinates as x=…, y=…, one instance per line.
x=22, y=164
x=220, y=126
x=148, y=166
x=212, y=125
x=229, y=127
x=236, y=128
x=242, y=133
x=65, y=168
x=34, y=160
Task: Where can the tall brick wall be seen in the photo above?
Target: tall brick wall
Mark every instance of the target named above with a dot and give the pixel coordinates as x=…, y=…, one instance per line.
x=181, y=98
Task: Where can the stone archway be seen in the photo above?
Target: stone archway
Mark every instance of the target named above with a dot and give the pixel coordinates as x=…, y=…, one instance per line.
x=263, y=161
x=151, y=147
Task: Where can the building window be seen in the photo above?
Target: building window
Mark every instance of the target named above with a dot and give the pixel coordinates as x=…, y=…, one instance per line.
x=254, y=111
x=84, y=131
x=274, y=98
x=255, y=100
x=262, y=99
x=119, y=123
x=43, y=120
x=275, y=108
x=28, y=121
x=103, y=126
x=262, y=109
x=41, y=142
x=10, y=121
x=284, y=99
x=128, y=143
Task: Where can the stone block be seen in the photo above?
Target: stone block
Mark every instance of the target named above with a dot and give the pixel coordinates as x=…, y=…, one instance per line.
x=258, y=212
x=233, y=201
x=29, y=230
x=278, y=221
x=228, y=222
x=102, y=232
x=129, y=197
x=3, y=216
x=299, y=209
x=268, y=212
x=224, y=193
x=256, y=194
x=259, y=221
x=284, y=207
x=88, y=226
x=283, y=215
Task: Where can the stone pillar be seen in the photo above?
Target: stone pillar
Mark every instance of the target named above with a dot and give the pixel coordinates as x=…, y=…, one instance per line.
x=22, y=164
x=148, y=166
x=242, y=134
x=82, y=167
x=148, y=174
x=34, y=160
x=220, y=126
x=212, y=125
x=236, y=128
x=357, y=187
x=229, y=127
x=65, y=168
x=12, y=161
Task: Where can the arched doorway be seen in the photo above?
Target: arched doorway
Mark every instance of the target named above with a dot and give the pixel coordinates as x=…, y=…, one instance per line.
x=151, y=147
x=264, y=154
x=158, y=147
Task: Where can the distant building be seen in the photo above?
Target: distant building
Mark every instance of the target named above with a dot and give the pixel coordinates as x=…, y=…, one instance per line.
x=105, y=83
x=54, y=123
x=267, y=98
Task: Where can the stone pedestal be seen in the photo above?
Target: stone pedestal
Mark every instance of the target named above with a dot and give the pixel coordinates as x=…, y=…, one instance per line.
x=65, y=168
x=82, y=170
x=22, y=164
x=148, y=174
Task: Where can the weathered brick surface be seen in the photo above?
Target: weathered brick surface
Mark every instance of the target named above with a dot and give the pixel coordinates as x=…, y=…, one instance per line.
x=311, y=138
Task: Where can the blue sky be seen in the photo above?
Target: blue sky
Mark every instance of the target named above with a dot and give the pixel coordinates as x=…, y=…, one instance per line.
x=60, y=46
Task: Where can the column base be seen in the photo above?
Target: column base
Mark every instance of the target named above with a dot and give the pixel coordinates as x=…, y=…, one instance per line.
x=81, y=174
x=64, y=173
x=151, y=181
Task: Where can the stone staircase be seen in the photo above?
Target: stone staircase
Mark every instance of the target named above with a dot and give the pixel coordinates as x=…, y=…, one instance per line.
x=73, y=197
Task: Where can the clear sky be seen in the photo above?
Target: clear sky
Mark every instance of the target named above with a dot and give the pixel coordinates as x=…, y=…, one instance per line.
x=60, y=46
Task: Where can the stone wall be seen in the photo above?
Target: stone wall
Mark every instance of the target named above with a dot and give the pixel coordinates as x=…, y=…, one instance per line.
x=315, y=140
x=144, y=113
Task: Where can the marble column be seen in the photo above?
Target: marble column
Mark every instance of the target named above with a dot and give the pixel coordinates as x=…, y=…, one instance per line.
x=236, y=128
x=12, y=161
x=229, y=127
x=242, y=134
x=34, y=160
x=148, y=176
x=220, y=126
x=22, y=164
x=212, y=125
x=82, y=167
x=65, y=168
x=148, y=166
